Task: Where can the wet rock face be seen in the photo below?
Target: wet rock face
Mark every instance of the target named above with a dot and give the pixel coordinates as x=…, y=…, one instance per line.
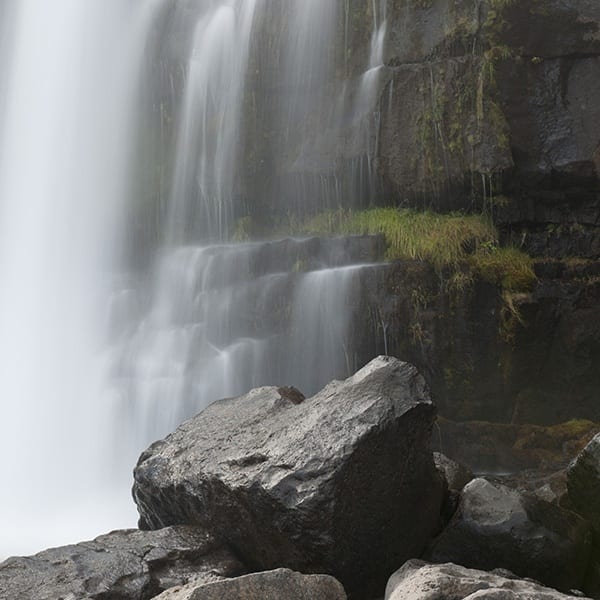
x=481, y=362
x=496, y=527
x=490, y=87
x=331, y=485
x=122, y=565
x=429, y=143
x=457, y=475
x=418, y=580
x=270, y=585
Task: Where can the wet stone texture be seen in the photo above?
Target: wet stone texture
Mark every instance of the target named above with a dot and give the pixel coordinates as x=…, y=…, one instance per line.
x=122, y=565
x=330, y=485
x=497, y=527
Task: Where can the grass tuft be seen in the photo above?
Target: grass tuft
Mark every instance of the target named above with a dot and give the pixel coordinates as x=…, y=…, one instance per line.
x=508, y=267
x=444, y=240
x=453, y=241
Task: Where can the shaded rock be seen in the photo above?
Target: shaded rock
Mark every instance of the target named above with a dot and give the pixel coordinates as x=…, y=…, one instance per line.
x=271, y=585
x=418, y=580
x=461, y=341
x=549, y=488
x=331, y=485
x=411, y=158
x=583, y=481
x=122, y=565
x=496, y=527
x=456, y=475
x=501, y=448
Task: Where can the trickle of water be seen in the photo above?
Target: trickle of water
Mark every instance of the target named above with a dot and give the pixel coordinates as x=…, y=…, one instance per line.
x=206, y=161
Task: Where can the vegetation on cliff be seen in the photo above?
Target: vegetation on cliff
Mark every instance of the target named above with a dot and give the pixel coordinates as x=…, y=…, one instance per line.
x=453, y=241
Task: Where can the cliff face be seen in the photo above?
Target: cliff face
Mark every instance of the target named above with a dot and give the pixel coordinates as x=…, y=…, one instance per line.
x=435, y=103
x=468, y=105
x=500, y=88
x=521, y=358
x=479, y=104
x=493, y=105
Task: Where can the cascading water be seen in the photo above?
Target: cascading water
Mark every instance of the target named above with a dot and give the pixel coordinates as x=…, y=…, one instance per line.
x=228, y=318
x=70, y=72
x=95, y=370
x=210, y=125
x=224, y=318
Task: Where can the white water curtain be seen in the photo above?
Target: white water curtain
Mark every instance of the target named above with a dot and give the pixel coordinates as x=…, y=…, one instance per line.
x=67, y=94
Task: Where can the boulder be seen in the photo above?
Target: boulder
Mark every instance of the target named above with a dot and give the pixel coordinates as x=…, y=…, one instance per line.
x=456, y=475
x=418, y=580
x=343, y=483
x=122, y=565
x=497, y=527
x=270, y=585
x=583, y=482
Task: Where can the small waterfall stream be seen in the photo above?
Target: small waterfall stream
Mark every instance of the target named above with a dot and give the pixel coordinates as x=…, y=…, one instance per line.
x=226, y=318
x=210, y=125
x=97, y=358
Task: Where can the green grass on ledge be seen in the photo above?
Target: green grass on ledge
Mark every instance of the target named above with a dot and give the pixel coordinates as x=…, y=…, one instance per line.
x=461, y=245
x=445, y=240
x=508, y=267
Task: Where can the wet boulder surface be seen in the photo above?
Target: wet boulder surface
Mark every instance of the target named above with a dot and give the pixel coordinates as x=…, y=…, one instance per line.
x=122, y=565
x=342, y=483
x=270, y=585
x=419, y=580
x=498, y=527
x=456, y=474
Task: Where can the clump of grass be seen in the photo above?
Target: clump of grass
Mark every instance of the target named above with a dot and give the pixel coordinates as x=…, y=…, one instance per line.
x=508, y=267
x=444, y=240
x=459, y=282
x=465, y=245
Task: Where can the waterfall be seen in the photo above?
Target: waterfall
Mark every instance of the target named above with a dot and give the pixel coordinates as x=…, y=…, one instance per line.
x=70, y=82
x=210, y=126
x=227, y=318
x=100, y=354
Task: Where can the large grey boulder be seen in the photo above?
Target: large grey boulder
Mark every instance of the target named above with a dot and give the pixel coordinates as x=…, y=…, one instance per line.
x=270, y=585
x=122, y=565
x=342, y=483
x=497, y=527
x=418, y=580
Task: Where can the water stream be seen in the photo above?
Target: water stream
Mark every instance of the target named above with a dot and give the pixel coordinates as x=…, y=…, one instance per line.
x=71, y=80
x=98, y=357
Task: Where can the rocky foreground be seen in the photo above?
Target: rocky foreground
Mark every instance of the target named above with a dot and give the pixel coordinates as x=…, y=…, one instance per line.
x=271, y=495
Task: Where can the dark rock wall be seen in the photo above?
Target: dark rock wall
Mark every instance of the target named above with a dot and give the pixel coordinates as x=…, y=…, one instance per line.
x=523, y=358
x=505, y=88
x=492, y=104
